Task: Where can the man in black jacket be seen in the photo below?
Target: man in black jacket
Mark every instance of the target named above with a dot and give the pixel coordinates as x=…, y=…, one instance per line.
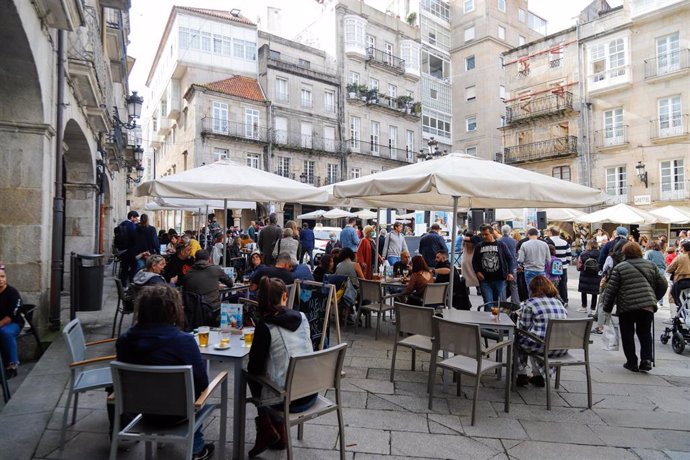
x=268, y=236
x=204, y=278
x=491, y=263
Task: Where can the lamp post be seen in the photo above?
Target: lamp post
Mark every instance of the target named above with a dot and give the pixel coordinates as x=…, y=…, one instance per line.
x=432, y=150
x=642, y=173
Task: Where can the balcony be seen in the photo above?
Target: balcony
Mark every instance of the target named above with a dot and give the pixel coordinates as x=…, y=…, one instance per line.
x=611, y=138
x=117, y=4
x=116, y=45
x=551, y=104
x=669, y=129
x=610, y=80
x=388, y=152
x=164, y=126
x=667, y=65
x=561, y=147
x=385, y=60
x=302, y=142
x=64, y=15
x=240, y=131
x=616, y=198
x=402, y=105
x=674, y=193
x=298, y=66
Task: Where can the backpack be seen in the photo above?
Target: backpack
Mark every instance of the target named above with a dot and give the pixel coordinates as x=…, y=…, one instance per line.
x=616, y=252
x=121, y=240
x=591, y=267
x=557, y=267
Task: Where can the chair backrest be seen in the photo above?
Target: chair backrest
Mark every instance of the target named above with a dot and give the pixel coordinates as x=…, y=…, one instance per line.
x=291, y=296
x=369, y=291
x=153, y=390
x=196, y=311
x=120, y=289
x=457, y=338
x=414, y=320
x=74, y=338
x=571, y=334
x=487, y=306
x=436, y=294
x=314, y=372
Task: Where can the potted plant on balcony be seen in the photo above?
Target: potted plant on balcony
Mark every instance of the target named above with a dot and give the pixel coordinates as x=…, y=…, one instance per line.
x=411, y=18
x=352, y=90
x=363, y=89
x=405, y=103
x=372, y=96
x=417, y=109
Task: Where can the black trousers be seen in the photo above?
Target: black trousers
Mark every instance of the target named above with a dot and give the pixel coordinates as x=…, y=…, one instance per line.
x=563, y=285
x=636, y=322
x=593, y=305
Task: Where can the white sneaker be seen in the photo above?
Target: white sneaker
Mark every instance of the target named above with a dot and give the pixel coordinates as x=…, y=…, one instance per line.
x=582, y=310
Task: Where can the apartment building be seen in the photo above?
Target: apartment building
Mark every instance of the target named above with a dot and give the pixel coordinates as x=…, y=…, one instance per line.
x=541, y=123
x=637, y=69
x=481, y=30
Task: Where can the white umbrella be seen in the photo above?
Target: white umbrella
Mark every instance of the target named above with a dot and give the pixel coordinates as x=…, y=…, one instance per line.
x=621, y=214
x=313, y=215
x=366, y=214
x=188, y=203
x=509, y=214
x=409, y=215
x=563, y=214
x=467, y=181
x=674, y=214
x=233, y=181
x=336, y=213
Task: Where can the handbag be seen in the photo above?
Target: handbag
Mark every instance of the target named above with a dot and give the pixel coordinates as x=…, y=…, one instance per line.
x=610, y=338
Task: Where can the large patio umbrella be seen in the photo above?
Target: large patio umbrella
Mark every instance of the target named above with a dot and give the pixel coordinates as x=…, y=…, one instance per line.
x=674, y=214
x=188, y=203
x=509, y=214
x=337, y=213
x=313, y=215
x=366, y=214
x=464, y=180
x=563, y=214
x=621, y=214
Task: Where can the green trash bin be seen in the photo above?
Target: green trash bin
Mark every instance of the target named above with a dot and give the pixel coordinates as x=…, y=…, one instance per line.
x=87, y=282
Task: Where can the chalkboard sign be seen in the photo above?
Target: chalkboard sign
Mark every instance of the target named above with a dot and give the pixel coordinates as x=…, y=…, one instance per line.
x=315, y=300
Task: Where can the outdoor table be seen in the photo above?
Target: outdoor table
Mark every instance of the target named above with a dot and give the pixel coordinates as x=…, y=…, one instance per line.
x=235, y=354
x=237, y=287
x=485, y=320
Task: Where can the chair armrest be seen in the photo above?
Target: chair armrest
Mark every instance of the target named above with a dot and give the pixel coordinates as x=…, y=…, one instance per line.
x=260, y=379
x=536, y=338
x=99, y=342
x=496, y=346
x=392, y=296
x=87, y=362
x=201, y=400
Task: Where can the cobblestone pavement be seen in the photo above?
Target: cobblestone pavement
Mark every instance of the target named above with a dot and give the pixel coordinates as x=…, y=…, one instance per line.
x=634, y=415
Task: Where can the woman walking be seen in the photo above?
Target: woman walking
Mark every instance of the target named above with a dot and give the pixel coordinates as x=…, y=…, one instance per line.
x=366, y=252
x=590, y=279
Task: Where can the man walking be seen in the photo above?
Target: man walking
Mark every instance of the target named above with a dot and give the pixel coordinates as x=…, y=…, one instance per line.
x=615, y=245
x=492, y=265
x=251, y=231
x=395, y=244
x=564, y=254
x=268, y=236
x=124, y=242
x=348, y=237
x=511, y=243
x=534, y=254
x=431, y=244
x=306, y=241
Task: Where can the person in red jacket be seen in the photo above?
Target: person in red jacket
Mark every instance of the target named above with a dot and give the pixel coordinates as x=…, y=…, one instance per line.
x=366, y=252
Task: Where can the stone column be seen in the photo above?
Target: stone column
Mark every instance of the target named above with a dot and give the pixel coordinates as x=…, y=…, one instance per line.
x=80, y=202
x=279, y=209
x=237, y=218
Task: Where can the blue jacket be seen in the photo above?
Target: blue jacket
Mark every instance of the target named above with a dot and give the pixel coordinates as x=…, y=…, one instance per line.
x=349, y=238
x=306, y=238
x=429, y=245
x=604, y=253
x=512, y=246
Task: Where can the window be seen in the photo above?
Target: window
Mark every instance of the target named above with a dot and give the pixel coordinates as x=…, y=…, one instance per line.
x=561, y=172
x=432, y=37
x=371, y=41
x=435, y=34
x=388, y=53
x=471, y=151
x=433, y=93
x=281, y=89
x=613, y=127
x=436, y=123
x=501, y=32
x=672, y=180
x=502, y=5
x=502, y=121
x=280, y=129
x=355, y=40
x=251, y=123
x=670, y=118
x=392, y=91
x=217, y=44
x=164, y=108
x=521, y=15
x=329, y=101
x=306, y=98
x=309, y=171
x=354, y=78
x=409, y=144
x=616, y=181
x=244, y=49
x=273, y=54
x=284, y=166
x=470, y=93
x=467, y=6
x=667, y=54
x=329, y=138
x=254, y=160
x=220, y=118
x=471, y=124
x=521, y=40
x=206, y=42
x=306, y=135
x=607, y=61
x=392, y=139
x=304, y=63
x=332, y=173
x=435, y=66
x=375, y=135
x=219, y=154
x=502, y=92
x=373, y=83
x=355, y=132
x=355, y=173
x=469, y=34
x=438, y=8
x=469, y=63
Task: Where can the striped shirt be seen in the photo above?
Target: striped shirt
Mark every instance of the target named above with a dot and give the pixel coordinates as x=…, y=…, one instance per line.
x=562, y=249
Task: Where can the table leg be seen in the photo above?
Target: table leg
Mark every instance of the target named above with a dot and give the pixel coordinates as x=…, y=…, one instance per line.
x=444, y=374
x=514, y=352
x=509, y=365
x=238, y=411
x=223, y=418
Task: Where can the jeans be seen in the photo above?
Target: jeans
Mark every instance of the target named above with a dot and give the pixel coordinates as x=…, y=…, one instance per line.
x=310, y=252
x=493, y=291
x=392, y=260
x=8, y=343
x=636, y=322
x=513, y=286
x=530, y=275
x=563, y=285
x=198, y=444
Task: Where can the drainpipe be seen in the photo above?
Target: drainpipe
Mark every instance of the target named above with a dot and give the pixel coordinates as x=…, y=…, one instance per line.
x=57, y=251
x=584, y=116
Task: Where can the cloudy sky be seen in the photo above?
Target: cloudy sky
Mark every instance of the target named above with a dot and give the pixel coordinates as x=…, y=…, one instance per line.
x=148, y=18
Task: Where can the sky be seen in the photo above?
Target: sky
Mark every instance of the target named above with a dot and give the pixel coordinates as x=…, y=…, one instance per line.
x=148, y=18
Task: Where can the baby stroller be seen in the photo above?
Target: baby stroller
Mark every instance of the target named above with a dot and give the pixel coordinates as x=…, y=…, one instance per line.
x=679, y=333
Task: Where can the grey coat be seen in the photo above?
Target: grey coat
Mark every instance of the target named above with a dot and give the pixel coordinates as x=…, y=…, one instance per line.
x=634, y=284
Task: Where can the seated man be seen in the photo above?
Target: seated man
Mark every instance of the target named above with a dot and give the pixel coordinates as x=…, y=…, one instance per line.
x=302, y=272
x=442, y=267
x=156, y=339
x=204, y=278
x=403, y=264
x=179, y=264
x=282, y=270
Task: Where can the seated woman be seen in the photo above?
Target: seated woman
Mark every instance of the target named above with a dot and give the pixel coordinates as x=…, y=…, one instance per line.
x=421, y=276
x=325, y=268
x=11, y=324
x=151, y=275
x=534, y=316
x=348, y=267
x=255, y=262
x=280, y=333
x=156, y=339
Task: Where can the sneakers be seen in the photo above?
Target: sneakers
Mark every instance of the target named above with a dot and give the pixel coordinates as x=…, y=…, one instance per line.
x=537, y=381
x=522, y=380
x=645, y=365
x=631, y=367
x=206, y=452
x=582, y=310
x=10, y=372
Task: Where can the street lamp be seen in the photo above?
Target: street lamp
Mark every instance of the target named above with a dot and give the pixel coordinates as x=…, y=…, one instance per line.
x=138, y=154
x=642, y=173
x=134, y=103
x=303, y=177
x=432, y=150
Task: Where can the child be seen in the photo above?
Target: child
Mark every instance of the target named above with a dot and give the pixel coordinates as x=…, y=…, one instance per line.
x=670, y=255
x=554, y=272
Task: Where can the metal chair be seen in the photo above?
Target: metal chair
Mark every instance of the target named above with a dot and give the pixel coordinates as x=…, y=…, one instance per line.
x=125, y=306
x=27, y=312
x=435, y=294
x=371, y=292
x=562, y=334
x=81, y=379
x=164, y=391
x=3, y=382
x=306, y=375
x=416, y=321
x=464, y=341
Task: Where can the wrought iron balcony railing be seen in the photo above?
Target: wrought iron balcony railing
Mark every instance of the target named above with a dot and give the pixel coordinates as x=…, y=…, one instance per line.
x=550, y=104
x=541, y=150
x=666, y=127
x=294, y=140
x=244, y=131
x=611, y=137
x=665, y=64
x=385, y=60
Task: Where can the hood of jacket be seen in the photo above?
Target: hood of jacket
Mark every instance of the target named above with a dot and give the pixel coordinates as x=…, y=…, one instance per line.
x=142, y=277
x=287, y=319
x=201, y=265
x=145, y=339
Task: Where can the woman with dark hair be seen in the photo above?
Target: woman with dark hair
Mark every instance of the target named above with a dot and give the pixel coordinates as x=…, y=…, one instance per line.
x=348, y=267
x=280, y=333
x=542, y=306
x=590, y=279
x=635, y=285
x=11, y=324
x=256, y=260
x=157, y=339
x=325, y=268
x=421, y=276
x=145, y=237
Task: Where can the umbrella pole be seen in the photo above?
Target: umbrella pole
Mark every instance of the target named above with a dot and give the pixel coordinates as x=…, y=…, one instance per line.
x=375, y=268
x=452, y=251
x=225, y=233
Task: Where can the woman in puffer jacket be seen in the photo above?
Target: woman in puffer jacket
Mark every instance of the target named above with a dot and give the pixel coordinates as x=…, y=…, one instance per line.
x=634, y=287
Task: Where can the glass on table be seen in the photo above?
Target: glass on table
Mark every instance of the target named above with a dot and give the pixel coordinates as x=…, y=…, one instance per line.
x=224, y=337
x=248, y=335
x=204, y=332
